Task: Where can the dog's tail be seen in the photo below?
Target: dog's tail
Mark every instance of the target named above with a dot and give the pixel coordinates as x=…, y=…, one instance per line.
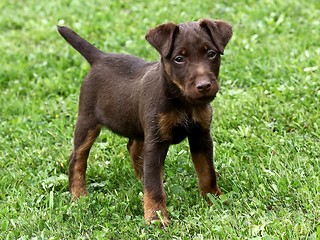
x=86, y=49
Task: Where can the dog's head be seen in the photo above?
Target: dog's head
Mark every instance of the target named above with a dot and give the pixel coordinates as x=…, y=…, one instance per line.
x=190, y=53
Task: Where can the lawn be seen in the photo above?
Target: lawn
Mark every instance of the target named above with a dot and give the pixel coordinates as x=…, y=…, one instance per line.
x=266, y=125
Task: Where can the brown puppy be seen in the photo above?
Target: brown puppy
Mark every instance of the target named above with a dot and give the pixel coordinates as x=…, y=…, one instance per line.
x=154, y=104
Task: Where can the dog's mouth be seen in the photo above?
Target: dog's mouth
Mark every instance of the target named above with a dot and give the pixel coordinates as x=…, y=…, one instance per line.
x=202, y=99
x=198, y=92
x=196, y=95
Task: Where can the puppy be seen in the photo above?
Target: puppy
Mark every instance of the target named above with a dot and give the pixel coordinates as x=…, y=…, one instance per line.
x=153, y=104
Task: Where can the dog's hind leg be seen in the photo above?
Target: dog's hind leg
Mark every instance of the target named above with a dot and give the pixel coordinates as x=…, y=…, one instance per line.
x=84, y=136
x=135, y=148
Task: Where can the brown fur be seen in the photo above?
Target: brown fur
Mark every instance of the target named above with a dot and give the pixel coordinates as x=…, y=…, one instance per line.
x=152, y=206
x=207, y=182
x=153, y=104
x=78, y=163
x=135, y=148
x=203, y=116
x=167, y=121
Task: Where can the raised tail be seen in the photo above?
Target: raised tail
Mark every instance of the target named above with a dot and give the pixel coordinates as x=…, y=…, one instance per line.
x=86, y=49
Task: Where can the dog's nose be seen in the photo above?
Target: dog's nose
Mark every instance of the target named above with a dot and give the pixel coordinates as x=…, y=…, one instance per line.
x=203, y=86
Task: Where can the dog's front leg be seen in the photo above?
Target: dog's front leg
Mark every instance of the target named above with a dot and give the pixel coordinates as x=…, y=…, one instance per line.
x=201, y=147
x=154, y=194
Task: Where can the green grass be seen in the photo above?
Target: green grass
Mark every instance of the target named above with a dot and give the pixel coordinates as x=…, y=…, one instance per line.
x=266, y=124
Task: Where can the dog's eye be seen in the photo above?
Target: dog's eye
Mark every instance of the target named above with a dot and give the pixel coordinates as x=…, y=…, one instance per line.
x=211, y=54
x=179, y=59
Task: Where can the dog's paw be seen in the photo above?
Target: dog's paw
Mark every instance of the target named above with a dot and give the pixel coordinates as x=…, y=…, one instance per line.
x=77, y=193
x=157, y=219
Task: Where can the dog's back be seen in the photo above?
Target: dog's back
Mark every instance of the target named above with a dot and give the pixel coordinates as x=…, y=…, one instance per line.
x=93, y=55
x=110, y=75
x=114, y=85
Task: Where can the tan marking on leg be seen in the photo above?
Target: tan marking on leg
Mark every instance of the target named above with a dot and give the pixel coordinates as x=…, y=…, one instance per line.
x=78, y=172
x=205, y=176
x=151, y=207
x=78, y=181
x=136, y=149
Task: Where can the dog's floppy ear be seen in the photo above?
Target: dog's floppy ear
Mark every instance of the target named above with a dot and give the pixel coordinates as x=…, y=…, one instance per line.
x=161, y=38
x=219, y=31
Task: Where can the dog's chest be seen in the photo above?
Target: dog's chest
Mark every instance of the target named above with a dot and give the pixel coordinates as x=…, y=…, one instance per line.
x=176, y=124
